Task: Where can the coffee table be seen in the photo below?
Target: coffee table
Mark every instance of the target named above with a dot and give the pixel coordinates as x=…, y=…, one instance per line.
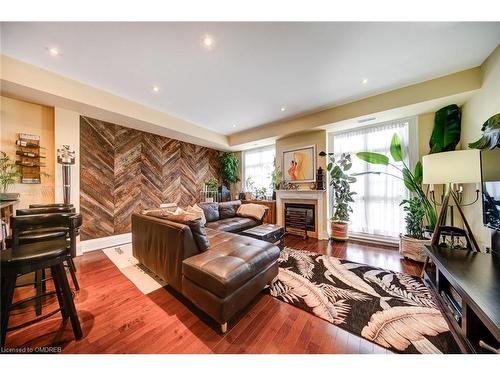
x=267, y=232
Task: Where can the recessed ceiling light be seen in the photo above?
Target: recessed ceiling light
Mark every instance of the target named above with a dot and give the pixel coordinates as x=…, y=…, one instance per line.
x=282, y=109
x=234, y=126
x=54, y=51
x=365, y=81
x=208, y=41
x=156, y=88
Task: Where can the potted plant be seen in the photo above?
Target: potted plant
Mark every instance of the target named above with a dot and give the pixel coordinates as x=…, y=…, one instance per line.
x=276, y=179
x=340, y=182
x=211, y=186
x=8, y=177
x=260, y=194
x=249, y=188
x=412, y=244
x=229, y=172
x=412, y=181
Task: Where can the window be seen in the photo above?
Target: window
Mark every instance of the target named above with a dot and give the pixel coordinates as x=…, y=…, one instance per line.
x=376, y=210
x=258, y=165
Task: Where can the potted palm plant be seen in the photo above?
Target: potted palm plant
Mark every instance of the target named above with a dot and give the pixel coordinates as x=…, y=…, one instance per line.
x=340, y=181
x=228, y=163
x=8, y=176
x=413, y=182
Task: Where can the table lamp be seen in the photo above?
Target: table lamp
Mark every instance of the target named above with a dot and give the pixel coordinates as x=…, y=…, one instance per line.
x=452, y=167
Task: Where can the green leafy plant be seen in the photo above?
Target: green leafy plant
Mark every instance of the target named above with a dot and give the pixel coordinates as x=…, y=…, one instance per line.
x=491, y=134
x=414, y=218
x=340, y=182
x=412, y=180
x=212, y=183
x=229, y=168
x=276, y=177
x=446, y=133
x=8, y=172
x=260, y=193
x=250, y=184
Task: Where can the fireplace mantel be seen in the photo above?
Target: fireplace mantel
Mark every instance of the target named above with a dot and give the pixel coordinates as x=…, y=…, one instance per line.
x=318, y=197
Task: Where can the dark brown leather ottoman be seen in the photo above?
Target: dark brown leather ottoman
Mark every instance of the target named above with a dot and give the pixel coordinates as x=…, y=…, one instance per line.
x=267, y=232
x=224, y=279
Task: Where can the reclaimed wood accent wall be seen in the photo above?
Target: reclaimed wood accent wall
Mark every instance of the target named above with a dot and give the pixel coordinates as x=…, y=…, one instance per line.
x=124, y=170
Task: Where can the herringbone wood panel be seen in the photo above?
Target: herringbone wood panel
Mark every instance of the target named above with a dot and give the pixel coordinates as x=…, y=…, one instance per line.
x=127, y=175
x=125, y=170
x=96, y=178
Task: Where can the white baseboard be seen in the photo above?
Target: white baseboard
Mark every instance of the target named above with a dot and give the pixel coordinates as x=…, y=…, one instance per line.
x=104, y=242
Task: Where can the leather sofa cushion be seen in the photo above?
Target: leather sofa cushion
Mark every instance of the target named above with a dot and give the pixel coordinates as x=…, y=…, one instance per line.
x=228, y=209
x=230, y=263
x=233, y=224
x=211, y=211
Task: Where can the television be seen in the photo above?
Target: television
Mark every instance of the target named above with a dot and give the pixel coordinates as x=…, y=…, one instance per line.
x=490, y=180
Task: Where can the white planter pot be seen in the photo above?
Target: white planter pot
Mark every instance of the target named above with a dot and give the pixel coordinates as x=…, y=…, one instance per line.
x=412, y=248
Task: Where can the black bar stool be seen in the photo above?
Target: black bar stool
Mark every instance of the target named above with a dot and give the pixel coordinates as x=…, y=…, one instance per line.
x=43, y=210
x=36, y=229
x=45, y=205
x=31, y=258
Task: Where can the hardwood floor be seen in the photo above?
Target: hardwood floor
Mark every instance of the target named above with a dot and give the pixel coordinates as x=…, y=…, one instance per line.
x=117, y=318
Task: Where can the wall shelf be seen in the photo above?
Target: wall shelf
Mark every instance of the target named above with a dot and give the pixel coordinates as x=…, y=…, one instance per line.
x=29, y=156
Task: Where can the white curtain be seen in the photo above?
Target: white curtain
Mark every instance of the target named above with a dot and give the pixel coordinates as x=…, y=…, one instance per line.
x=376, y=207
x=258, y=166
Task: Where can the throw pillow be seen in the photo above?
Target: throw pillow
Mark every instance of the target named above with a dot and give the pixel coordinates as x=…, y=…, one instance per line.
x=211, y=211
x=197, y=228
x=199, y=234
x=196, y=210
x=252, y=210
x=228, y=209
x=157, y=212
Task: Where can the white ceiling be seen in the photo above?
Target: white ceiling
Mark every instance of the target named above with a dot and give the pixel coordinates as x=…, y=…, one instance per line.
x=254, y=68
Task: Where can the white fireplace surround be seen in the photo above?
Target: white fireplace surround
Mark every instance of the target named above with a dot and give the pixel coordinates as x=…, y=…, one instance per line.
x=317, y=197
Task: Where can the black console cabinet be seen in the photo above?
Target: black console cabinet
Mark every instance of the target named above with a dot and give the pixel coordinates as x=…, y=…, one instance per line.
x=466, y=285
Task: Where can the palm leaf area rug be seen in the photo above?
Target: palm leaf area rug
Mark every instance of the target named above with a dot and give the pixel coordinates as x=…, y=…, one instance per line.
x=392, y=309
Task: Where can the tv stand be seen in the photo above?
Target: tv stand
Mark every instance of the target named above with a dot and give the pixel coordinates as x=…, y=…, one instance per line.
x=466, y=286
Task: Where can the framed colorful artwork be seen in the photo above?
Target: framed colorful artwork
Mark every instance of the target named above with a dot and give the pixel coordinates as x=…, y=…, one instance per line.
x=299, y=165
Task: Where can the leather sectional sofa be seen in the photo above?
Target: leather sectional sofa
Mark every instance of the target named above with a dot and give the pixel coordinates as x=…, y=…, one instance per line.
x=221, y=280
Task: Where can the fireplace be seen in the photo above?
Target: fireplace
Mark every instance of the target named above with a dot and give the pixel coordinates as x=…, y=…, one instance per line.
x=311, y=201
x=299, y=210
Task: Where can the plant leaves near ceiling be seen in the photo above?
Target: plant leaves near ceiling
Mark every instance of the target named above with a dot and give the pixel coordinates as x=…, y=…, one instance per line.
x=373, y=157
x=396, y=151
x=419, y=173
x=491, y=134
x=408, y=180
x=446, y=133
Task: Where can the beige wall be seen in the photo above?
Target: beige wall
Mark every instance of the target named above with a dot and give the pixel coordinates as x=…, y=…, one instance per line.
x=317, y=138
x=67, y=132
x=425, y=126
x=21, y=117
x=483, y=104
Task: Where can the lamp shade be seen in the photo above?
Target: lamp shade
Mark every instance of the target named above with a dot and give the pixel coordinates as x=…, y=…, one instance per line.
x=460, y=167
